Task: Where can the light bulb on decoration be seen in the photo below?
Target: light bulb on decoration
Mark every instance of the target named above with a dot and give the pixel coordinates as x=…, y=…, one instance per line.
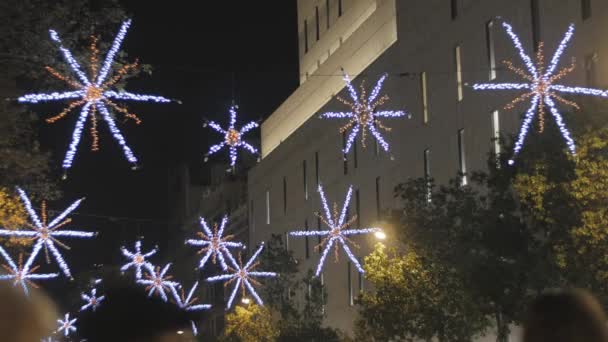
x=138, y=259
x=67, y=325
x=91, y=300
x=94, y=93
x=158, y=282
x=47, y=233
x=364, y=116
x=233, y=138
x=338, y=232
x=23, y=274
x=540, y=88
x=214, y=244
x=242, y=276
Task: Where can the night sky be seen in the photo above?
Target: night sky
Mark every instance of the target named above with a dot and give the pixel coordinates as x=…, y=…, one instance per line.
x=202, y=53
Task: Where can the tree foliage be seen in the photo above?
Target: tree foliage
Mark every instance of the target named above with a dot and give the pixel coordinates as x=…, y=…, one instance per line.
x=251, y=323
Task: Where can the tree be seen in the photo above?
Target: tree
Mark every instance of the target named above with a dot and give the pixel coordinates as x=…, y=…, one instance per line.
x=12, y=216
x=251, y=323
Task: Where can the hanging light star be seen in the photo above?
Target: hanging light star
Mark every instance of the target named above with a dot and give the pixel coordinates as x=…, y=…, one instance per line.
x=67, y=325
x=243, y=276
x=22, y=274
x=233, y=138
x=158, y=282
x=337, y=233
x=540, y=88
x=91, y=300
x=363, y=116
x=214, y=244
x=94, y=93
x=46, y=233
x=138, y=259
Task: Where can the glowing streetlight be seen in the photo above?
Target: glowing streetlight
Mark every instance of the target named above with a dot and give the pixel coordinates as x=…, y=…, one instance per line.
x=380, y=235
x=245, y=301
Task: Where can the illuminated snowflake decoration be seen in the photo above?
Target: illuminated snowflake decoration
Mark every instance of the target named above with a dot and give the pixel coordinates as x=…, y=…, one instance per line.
x=541, y=88
x=338, y=231
x=47, y=233
x=138, y=260
x=158, y=282
x=187, y=302
x=22, y=274
x=233, y=138
x=242, y=276
x=91, y=300
x=67, y=325
x=94, y=93
x=363, y=116
x=214, y=244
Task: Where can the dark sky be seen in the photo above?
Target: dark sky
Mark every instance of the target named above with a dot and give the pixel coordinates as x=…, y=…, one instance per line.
x=197, y=49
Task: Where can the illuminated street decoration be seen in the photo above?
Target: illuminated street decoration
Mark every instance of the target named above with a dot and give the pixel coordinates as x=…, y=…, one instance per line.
x=233, y=138
x=137, y=259
x=214, y=244
x=67, y=325
x=540, y=88
x=91, y=300
x=338, y=232
x=158, y=282
x=22, y=274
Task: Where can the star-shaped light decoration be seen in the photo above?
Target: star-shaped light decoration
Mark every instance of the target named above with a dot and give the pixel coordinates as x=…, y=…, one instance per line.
x=67, y=325
x=233, y=138
x=22, y=274
x=363, y=116
x=94, y=92
x=242, y=276
x=91, y=300
x=338, y=231
x=46, y=233
x=188, y=303
x=138, y=259
x=540, y=88
x=158, y=282
x=214, y=244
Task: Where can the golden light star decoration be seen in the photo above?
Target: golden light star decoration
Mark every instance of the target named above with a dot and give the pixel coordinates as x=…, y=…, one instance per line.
x=541, y=88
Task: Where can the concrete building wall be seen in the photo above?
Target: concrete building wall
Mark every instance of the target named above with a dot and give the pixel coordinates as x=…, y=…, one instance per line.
x=424, y=40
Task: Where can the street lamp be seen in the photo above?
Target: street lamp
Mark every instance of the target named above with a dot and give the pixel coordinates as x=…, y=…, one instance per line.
x=245, y=301
x=380, y=235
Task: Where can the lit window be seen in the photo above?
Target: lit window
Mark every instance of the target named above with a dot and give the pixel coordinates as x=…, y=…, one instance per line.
x=305, y=179
x=496, y=131
x=425, y=100
x=490, y=48
x=462, y=157
x=267, y=206
x=458, y=60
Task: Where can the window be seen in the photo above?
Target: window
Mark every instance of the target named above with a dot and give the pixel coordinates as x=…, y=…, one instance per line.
x=586, y=9
x=490, y=48
x=252, y=216
x=318, y=179
x=458, y=61
x=427, y=174
x=361, y=282
x=284, y=195
x=344, y=155
x=378, y=205
x=355, y=156
x=535, y=9
x=317, y=22
x=305, y=37
x=591, y=69
x=306, y=249
x=358, y=208
x=305, y=179
x=339, y=8
x=323, y=293
x=496, y=131
x=267, y=206
x=425, y=100
x=462, y=157
x=327, y=13
x=351, y=300
x=287, y=241
x=454, y=8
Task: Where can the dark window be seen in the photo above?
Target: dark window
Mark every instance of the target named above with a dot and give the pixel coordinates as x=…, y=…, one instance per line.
x=339, y=8
x=305, y=179
x=535, y=9
x=454, y=8
x=358, y=208
x=317, y=22
x=490, y=48
x=355, y=155
x=319, y=228
x=252, y=216
x=344, y=155
x=586, y=9
x=318, y=179
x=361, y=282
x=378, y=206
x=306, y=249
x=351, y=301
x=284, y=195
x=327, y=13
x=305, y=36
x=427, y=173
x=462, y=157
x=591, y=69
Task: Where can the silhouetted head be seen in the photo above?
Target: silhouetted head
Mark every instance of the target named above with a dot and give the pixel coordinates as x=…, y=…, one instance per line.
x=566, y=316
x=128, y=315
x=24, y=319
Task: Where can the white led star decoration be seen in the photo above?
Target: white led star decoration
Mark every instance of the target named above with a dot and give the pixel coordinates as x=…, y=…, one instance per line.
x=94, y=93
x=540, y=88
x=233, y=138
x=67, y=325
x=158, y=282
x=363, y=115
x=137, y=259
x=337, y=233
x=22, y=274
x=188, y=303
x=214, y=244
x=47, y=233
x=91, y=300
x=242, y=276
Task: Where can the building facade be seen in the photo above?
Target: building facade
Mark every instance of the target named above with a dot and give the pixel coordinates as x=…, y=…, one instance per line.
x=433, y=51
